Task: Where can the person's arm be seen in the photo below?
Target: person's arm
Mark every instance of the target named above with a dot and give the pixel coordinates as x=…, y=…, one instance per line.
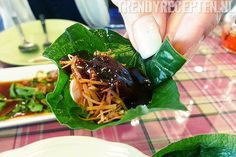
x=94, y=12
x=19, y=8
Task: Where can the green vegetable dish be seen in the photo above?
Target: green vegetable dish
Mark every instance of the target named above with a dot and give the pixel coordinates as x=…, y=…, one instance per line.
x=103, y=81
x=26, y=96
x=215, y=145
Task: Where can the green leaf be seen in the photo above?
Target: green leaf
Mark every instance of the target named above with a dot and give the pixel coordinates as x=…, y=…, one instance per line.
x=78, y=39
x=21, y=91
x=2, y=102
x=12, y=91
x=19, y=108
x=2, y=105
x=3, y=118
x=34, y=106
x=215, y=145
x=166, y=96
x=39, y=95
x=164, y=63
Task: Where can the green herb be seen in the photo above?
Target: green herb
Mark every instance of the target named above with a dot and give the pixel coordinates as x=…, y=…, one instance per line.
x=3, y=118
x=34, y=106
x=39, y=95
x=22, y=91
x=215, y=145
x=30, y=98
x=78, y=39
x=2, y=102
x=19, y=108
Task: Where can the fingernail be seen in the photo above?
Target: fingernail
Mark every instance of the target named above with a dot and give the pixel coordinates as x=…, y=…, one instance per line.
x=147, y=36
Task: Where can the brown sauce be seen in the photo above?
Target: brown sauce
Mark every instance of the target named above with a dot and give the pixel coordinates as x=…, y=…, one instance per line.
x=134, y=87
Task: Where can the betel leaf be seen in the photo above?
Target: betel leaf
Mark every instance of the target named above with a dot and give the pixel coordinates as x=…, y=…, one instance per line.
x=78, y=39
x=212, y=145
x=163, y=64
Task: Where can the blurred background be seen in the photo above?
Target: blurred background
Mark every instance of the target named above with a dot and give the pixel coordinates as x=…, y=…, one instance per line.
x=95, y=13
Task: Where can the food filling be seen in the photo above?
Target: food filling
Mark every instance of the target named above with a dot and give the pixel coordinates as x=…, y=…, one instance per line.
x=104, y=88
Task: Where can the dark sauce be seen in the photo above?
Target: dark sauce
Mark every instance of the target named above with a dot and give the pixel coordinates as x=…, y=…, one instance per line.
x=140, y=92
x=134, y=87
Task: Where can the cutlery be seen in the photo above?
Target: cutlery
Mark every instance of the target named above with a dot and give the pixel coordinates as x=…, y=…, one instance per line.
x=26, y=46
x=47, y=42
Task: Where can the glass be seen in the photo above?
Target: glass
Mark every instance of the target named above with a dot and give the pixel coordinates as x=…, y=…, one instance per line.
x=229, y=31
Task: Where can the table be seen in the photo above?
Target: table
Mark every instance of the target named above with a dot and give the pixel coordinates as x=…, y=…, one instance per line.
x=207, y=84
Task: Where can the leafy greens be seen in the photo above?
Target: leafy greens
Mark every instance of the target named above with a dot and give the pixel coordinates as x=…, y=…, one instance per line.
x=215, y=145
x=28, y=96
x=77, y=39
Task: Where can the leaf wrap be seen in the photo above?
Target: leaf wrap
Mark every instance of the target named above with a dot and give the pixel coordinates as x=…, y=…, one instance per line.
x=78, y=38
x=164, y=64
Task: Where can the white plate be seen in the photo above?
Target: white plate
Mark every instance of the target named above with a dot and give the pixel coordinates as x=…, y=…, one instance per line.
x=24, y=73
x=9, y=41
x=74, y=146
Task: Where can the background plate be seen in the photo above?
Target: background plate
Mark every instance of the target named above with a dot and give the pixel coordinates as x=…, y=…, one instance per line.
x=74, y=146
x=10, y=39
x=24, y=73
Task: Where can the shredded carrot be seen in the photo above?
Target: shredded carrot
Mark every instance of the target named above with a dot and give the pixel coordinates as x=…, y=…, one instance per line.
x=93, y=82
x=100, y=101
x=90, y=99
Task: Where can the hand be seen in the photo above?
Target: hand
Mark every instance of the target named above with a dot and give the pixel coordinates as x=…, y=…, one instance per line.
x=145, y=29
x=185, y=29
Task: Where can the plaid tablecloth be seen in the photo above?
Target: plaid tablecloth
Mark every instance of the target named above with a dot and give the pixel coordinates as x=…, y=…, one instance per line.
x=207, y=85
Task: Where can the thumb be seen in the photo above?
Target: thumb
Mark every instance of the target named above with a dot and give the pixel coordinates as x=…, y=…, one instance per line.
x=145, y=28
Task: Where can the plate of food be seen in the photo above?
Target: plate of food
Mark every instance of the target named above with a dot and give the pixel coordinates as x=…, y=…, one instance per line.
x=74, y=146
x=23, y=94
x=10, y=40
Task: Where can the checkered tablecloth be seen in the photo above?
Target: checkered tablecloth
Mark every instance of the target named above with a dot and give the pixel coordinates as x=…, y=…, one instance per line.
x=207, y=85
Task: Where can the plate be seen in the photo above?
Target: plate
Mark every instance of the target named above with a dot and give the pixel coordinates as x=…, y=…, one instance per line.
x=74, y=146
x=10, y=39
x=24, y=73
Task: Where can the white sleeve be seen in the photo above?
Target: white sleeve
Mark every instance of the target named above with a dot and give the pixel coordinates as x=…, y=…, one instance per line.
x=19, y=8
x=231, y=15
x=94, y=12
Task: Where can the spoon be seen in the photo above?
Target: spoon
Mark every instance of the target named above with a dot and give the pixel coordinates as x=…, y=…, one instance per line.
x=47, y=43
x=26, y=46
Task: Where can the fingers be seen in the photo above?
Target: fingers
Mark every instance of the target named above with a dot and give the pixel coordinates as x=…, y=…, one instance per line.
x=185, y=29
x=147, y=36
x=145, y=28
